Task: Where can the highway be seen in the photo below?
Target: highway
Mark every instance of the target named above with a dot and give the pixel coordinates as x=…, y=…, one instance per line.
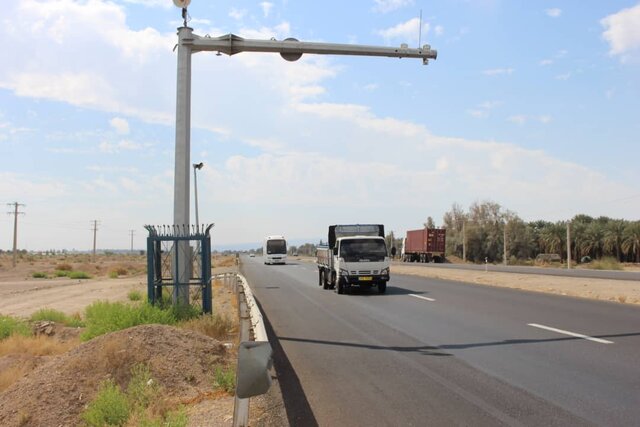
x=433, y=352
x=581, y=272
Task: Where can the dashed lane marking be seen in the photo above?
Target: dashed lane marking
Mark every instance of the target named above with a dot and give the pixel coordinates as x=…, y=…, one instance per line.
x=573, y=334
x=421, y=297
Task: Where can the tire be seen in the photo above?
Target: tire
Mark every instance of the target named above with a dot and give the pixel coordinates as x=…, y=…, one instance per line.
x=320, y=277
x=382, y=287
x=340, y=286
x=325, y=282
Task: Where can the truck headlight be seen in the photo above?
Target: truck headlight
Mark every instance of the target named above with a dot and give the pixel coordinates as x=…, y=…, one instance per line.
x=384, y=271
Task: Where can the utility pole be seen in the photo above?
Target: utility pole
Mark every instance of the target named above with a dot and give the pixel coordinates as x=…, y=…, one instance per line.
x=131, y=233
x=231, y=44
x=95, y=229
x=15, y=214
x=464, y=242
x=504, y=244
x=568, y=245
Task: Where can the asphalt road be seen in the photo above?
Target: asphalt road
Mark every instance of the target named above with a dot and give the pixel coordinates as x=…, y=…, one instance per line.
x=433, y=352
x=596, y=274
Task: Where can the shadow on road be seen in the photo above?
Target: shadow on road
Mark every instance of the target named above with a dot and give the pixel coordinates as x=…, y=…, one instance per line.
x=299, y=412
x=425, y=349
x=391, y=290
x=529, y=341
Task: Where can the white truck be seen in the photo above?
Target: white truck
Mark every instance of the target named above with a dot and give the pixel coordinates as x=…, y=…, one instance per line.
x=356, y=255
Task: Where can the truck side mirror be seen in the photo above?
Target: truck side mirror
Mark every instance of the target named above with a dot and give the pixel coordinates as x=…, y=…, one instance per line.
x=393, y=251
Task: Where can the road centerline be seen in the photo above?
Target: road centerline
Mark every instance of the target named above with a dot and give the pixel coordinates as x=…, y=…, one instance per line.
x=573, y=334
x=421, y=297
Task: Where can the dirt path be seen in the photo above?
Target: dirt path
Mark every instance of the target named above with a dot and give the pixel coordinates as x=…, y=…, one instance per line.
x=22, y=298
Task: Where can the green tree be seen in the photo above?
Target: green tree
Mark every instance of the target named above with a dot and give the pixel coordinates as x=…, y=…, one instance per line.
x=613, y=236
x=592, y=241
x=553, y=238
x=631, y=240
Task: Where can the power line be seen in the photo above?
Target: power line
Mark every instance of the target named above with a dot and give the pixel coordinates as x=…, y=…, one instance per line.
x=15, y=214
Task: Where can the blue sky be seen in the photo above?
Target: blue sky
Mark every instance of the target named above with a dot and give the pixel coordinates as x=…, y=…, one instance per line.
x=531, y=104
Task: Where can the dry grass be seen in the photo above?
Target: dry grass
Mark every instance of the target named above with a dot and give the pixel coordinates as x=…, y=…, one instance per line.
x=224, y=261
x=13, y=373
x=214, y=326
x=40, y=345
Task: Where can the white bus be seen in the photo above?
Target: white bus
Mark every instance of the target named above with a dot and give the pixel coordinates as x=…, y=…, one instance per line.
x=274, y=250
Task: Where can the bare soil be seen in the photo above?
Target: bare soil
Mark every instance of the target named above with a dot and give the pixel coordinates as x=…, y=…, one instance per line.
x=53, y=390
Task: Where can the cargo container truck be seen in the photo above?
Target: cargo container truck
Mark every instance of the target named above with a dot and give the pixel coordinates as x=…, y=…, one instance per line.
x=424, y=245
x=355, y=255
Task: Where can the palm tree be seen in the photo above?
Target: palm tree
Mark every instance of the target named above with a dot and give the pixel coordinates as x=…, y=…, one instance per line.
x=613, y=235
x=591, y=243
x=631, y=240
x=553, y=237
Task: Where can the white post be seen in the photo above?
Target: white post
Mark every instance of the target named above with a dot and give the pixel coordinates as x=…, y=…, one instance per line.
x=182, y=252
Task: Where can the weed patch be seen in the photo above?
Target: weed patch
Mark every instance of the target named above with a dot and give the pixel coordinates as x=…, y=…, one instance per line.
x=52, y=315
x=34, y=345
x=79, y=275
x=109, y=408
x=606, y=263
x=64, y=267
x=134, y=296
x=39, y=275
x=215, y=326
x=103, y=317
x=225, y=379
x=10, y=326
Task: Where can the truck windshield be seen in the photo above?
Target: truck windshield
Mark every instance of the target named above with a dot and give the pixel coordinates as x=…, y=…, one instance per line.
x=276, y=246
x=363, y=249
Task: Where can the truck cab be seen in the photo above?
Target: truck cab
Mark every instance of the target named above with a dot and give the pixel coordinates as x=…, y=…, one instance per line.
x=361, y=261
x=356, y=255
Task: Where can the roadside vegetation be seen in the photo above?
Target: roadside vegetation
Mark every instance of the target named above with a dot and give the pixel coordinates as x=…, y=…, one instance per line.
x=608, y=242
x=142, y=403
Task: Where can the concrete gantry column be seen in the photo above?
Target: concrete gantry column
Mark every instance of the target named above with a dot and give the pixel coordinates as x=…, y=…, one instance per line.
x=182, y=251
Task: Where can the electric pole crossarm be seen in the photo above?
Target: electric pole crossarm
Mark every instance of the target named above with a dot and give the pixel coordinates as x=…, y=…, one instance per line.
x=292, y=49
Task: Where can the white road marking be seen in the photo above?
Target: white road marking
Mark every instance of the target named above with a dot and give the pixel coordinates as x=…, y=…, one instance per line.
x=421, y=297
x=573, y=334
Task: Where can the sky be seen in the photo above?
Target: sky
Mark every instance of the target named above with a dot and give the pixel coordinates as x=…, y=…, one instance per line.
x=530, y=104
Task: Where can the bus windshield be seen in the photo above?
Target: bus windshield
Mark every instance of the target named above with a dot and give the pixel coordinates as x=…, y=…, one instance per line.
x=276, y=247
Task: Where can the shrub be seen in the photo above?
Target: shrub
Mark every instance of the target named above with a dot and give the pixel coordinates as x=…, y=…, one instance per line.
x=113, y=275
x=103, y=317
x=215, y=326
x=79, y=275
x=64, y=267
x=109, y=408
x=58, y=317
x=225, y=379
x=606, y=263
x=135, y=296
x=61, y=273
x=39, y=275
x=10, y=326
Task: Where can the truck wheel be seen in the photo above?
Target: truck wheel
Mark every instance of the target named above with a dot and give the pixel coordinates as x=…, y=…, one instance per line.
x=325, y=281
x=340, y=286
x=382, y=287
x=320, y=277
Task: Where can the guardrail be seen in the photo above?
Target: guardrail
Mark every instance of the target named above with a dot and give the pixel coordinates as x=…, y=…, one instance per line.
x=254, y=355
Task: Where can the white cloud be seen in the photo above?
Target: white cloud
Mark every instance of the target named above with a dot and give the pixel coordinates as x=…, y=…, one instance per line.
x=266, y=8
x=124, y=145
x=554, y=12
x=483, y=110
x=521, y=119
x=546, y=62
x=438, y=30
x=405, y=31
x=120, y=125
x=498, y=71
x=564, y=76
x=622, y=31
x=165, y=4
x=385, y=6
x=237, y=13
